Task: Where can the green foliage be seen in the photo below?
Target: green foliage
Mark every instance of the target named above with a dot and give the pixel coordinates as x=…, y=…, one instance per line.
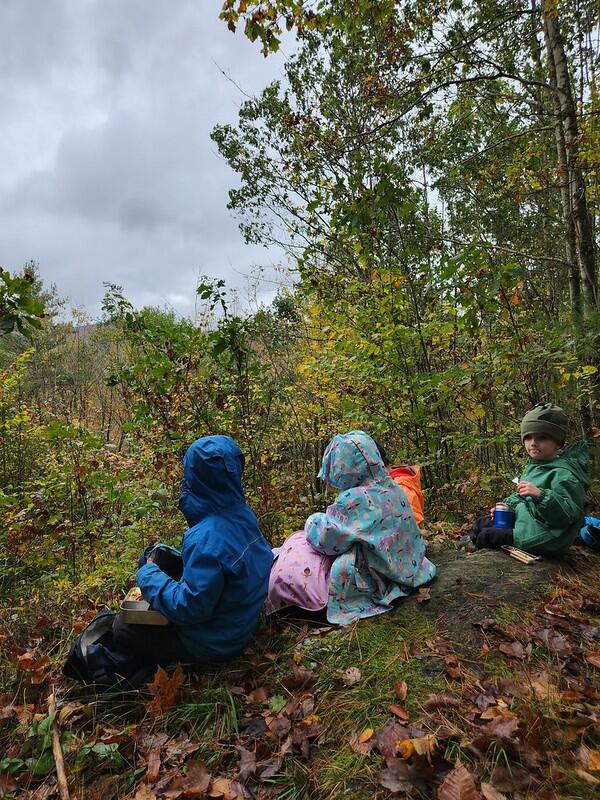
x=21, y=309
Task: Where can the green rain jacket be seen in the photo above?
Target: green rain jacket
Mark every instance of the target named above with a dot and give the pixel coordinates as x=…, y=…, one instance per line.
x=548, y=526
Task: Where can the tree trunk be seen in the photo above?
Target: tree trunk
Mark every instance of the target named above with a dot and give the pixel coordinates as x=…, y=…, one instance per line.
x=559, y=78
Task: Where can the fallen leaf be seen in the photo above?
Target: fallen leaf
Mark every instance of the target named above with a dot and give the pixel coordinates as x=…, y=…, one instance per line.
x=399, y=711
x=104, y=787
x=452, y=668
x=514, y=650
x=366, y=735
x=170, y=785
x=178, y=749
x=502, y=727
x=351, y=676
x=301, y=678
x=484, y=701
x=269, y=768
x=401, y=690
x=38, y=666
x=386, y=739
x=247, y=766
x=7, y=785
x=152, y=765
x=554, y=641
x=258, y=696
x=490, y=793
x=196, y=780
x=588, y=758
x=279, y=726
x=594, y=659
x=397, y=776
x=423, y=595
x=252, y=728
x=544, y=689
x=71, y=710
x=144, y=792
x=165, y=690
x=405, y=748
x=363, y=748
x=220, y=787
x=425, y=745
x=458, y=785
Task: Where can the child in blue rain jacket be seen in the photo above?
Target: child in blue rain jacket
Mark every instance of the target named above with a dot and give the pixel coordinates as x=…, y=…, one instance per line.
x=215, y=606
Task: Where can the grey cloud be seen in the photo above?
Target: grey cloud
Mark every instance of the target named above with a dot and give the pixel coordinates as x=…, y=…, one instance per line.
x=110, y=172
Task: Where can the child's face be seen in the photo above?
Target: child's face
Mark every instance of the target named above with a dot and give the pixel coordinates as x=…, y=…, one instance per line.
x=542, y=448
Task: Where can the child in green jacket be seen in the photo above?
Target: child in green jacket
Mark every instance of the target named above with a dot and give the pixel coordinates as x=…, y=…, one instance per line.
x=550, y=498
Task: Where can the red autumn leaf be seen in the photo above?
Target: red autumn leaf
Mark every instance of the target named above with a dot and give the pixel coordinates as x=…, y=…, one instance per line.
x=30, y=662
x=399, y=711
x=165, y=690
x=594, y=659
x=458, y=785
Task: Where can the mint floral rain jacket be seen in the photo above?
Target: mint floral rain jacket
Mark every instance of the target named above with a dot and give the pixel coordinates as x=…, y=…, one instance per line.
x=370, y=529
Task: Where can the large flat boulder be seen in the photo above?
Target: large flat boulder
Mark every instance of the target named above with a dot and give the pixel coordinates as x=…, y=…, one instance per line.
x=472, y=587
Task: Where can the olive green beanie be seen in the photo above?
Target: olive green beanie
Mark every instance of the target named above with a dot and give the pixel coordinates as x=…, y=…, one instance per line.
x=548, y=420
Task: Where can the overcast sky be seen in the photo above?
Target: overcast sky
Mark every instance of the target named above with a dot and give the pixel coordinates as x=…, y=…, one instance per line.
x=108, y=172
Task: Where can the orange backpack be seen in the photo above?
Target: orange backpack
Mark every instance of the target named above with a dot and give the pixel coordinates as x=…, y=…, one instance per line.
x=409, y=478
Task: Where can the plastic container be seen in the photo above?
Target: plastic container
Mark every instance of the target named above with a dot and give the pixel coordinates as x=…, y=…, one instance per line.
x=138, y=612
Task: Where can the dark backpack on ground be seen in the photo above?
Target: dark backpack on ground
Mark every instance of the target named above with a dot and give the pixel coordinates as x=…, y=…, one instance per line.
x=94, y=659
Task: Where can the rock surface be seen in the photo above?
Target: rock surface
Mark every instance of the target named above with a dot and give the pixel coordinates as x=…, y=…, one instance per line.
x=472, y=587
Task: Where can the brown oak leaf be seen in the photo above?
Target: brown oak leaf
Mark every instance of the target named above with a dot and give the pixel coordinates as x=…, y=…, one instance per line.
x=165, y=690
x=458, y=785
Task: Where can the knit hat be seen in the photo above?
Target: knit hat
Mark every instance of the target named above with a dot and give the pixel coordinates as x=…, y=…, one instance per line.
x=548, y=420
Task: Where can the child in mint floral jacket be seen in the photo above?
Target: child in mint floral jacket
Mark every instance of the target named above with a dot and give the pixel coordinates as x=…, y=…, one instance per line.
x=363, y=552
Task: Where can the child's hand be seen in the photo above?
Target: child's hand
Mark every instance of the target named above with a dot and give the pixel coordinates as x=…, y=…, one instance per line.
x=527, y=489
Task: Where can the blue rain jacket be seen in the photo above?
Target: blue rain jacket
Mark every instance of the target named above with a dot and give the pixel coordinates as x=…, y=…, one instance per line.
x=226, y=560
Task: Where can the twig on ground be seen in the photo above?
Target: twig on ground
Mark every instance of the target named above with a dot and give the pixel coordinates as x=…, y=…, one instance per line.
x=61, y=776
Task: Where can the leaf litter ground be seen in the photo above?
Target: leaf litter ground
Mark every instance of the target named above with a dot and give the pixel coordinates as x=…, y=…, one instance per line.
x=488, y=687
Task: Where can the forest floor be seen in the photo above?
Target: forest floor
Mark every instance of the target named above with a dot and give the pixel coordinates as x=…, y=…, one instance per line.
x=485, y=684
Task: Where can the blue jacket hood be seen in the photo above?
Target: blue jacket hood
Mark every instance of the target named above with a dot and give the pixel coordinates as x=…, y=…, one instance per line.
x=212, y=478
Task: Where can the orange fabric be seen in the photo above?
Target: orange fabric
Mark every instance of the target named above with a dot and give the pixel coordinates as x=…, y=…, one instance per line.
x=409, y=478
